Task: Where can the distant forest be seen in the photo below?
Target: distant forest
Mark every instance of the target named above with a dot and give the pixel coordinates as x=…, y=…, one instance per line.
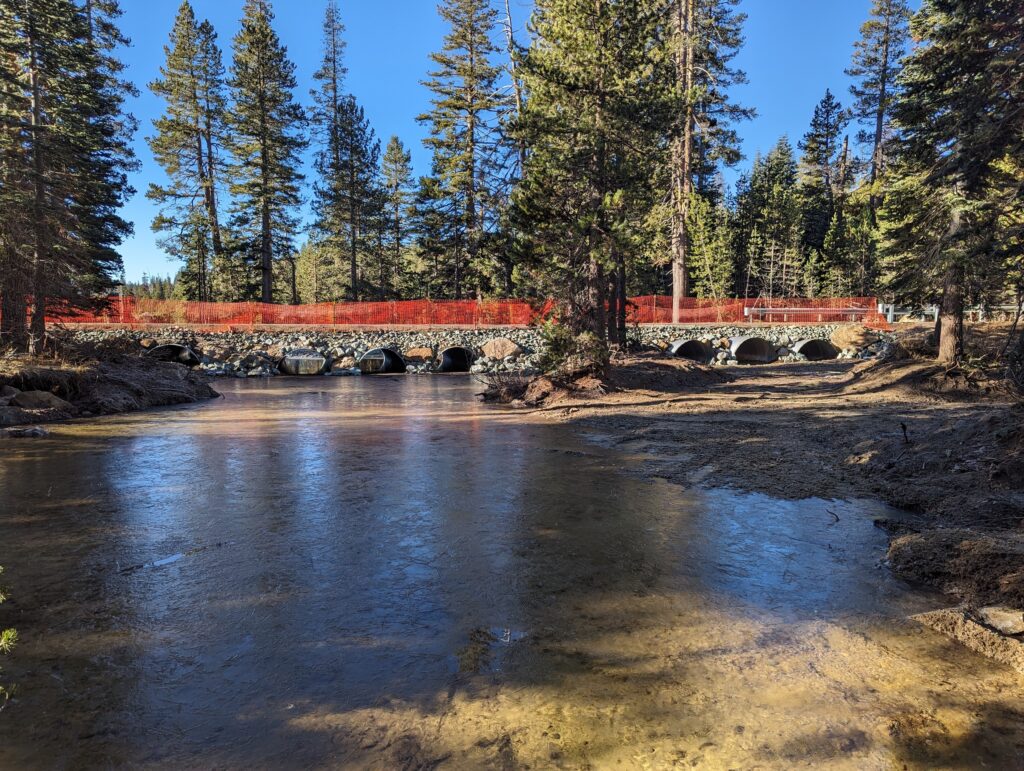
x=582, y=162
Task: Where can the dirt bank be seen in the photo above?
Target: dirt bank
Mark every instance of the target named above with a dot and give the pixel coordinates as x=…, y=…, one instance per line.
x=937, y=444
x=45, y=389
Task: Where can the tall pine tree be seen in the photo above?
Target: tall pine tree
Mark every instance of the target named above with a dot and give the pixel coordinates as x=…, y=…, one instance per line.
x=345, y=193
x=187, y=145
x=266, y=142
x=396, y=178
x=954, y=191
x=463, y=123
x=876, y=68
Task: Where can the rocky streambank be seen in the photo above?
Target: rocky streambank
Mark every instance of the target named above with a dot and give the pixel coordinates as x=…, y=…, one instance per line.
x=259, y=353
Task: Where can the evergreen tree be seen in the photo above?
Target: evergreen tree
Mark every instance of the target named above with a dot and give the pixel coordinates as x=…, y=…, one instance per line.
x=876, y=68
x=706, y=35
x=463, y=122
x=68, y=146
x=593, y=118
x=768, y=223
x=187, y=145
x=345, y=194
x=961, y=130
x=265, y=143
x=825, y=175
x=396, y=177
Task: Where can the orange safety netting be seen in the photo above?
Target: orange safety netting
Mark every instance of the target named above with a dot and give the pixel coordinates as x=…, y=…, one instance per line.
x=129, y=311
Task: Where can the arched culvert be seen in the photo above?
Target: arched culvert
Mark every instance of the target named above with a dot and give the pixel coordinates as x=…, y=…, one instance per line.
x=816, y=350
x=303, y=361
x=456, y=359
x=178, y=354
x=694, y=350
x=753, y=350
x=382, y=361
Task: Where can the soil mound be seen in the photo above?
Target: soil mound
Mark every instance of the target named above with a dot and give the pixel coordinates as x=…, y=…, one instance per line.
x=983, y=568
x=664, y=375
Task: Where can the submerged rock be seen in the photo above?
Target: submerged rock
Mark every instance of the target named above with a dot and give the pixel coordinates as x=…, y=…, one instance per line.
x=40, y=400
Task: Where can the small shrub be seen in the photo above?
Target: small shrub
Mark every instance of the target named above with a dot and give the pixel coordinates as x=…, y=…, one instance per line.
x=505, y=387
x=8, y=637
x=569, y=351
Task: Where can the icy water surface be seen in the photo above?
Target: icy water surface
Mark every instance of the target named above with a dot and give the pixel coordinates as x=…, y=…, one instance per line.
x=382, y=573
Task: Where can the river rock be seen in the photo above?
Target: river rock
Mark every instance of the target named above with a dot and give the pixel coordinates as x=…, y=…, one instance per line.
x=27, y=432
x=853, y=337
x=40, y=400
x=14, y=416
x=421, y=354
x=1006, y=620
x=501, y=348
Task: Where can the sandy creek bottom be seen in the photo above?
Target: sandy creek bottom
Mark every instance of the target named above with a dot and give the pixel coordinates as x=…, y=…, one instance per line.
x=385, y=574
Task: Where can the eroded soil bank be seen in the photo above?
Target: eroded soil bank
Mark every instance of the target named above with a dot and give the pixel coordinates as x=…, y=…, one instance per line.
x=46, y=389
x=900, y=431
x=384, y=573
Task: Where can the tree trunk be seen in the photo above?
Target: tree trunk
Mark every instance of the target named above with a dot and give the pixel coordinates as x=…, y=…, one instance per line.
x=620, y=280
x=682, y=157
x=876, y=157
x=951, y=318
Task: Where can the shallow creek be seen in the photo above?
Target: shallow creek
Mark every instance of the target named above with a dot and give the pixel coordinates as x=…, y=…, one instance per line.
x=383, y=573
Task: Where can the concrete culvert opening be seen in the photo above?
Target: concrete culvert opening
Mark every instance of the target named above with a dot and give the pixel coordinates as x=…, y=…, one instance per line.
x=816, y=350
x=382, y=361
x=753, y=350
x=457, y=359
x=694, y=350
x=178, y=354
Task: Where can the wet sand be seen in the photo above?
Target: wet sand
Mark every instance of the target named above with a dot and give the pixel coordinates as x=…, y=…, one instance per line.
x=383, y=573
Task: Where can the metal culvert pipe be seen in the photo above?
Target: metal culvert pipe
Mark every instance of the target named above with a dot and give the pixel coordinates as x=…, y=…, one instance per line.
x=753, y=350
x=178, y=354
x=694, y=350
x=817, y=350
x=382, y=361
x=303, y=361
x=456, y=359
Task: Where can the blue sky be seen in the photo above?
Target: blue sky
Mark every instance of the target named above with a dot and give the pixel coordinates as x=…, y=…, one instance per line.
x=795, y=50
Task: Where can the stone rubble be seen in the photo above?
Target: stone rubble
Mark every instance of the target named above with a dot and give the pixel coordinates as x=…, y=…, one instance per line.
x=257, y=353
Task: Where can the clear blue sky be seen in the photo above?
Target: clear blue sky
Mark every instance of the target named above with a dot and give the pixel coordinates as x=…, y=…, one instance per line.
x=795, y=50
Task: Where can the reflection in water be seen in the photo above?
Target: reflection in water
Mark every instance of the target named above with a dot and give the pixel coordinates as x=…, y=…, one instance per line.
x=385, y=573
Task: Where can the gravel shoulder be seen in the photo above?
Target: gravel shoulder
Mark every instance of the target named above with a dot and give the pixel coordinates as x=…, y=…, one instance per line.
x=897, y=431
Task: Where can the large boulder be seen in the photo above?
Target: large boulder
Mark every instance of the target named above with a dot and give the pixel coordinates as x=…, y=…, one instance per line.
x=419, y=355
x=14, y=416
x=501, y=348
x=40, y=400
x=853, y=337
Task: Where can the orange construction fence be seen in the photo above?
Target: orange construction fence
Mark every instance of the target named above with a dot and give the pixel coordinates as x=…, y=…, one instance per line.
x=129, y=311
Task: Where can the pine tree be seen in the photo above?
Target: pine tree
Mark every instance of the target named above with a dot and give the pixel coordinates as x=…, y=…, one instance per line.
x=265, y=143
x=961, y=128
x=768, y=224
x=69, y=153
x=876, y=67
x=463, y=122
x=187, y=145
x=706, y=35
x=396, y=177
x=825, y=175
x=595, y=111
x=345, y=193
